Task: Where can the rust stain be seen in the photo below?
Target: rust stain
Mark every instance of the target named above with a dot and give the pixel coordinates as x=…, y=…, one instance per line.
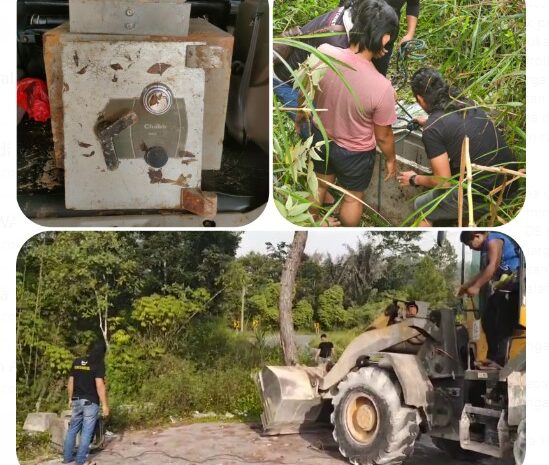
x=87, y=155
x=181, y=181
x=116, y=66
x=84, y=145
x=115, y=78
x=186, y=154
x=155, y=176
x=65, y=87
x=143, y=146
x=158, y=68
x=83, y=70
x=75, y=58
x=188, y=162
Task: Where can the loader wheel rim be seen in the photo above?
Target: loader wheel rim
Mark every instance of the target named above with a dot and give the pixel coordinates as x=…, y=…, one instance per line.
x=361, y=416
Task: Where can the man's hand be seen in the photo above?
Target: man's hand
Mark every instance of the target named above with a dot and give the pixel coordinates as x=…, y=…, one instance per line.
x=391, y=167
x=106, y=410
x=406, y=38
x=421, y=120
x=404, y=178
x=470, y=291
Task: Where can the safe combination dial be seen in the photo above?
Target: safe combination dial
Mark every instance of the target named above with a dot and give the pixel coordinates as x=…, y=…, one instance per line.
x=157, y=99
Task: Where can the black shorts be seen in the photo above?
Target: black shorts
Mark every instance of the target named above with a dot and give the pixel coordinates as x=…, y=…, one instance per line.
x=353, y=170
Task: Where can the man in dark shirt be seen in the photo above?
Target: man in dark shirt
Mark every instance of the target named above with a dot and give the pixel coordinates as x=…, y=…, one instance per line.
x=451, y=118
x=325, y=351
x=500, y=317
x=340, y=17
x=86, y=389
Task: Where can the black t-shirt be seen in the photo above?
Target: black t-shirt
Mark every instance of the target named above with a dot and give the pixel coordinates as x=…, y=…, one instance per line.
x=325, y=349
x=445, y=133
x=84, y=379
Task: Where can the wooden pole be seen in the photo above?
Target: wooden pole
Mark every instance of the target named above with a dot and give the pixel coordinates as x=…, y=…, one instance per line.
x=460, y=186
x=469, y=170
x=499, y=170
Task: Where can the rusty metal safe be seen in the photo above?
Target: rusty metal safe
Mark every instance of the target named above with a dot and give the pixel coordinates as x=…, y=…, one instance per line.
x=137, y=117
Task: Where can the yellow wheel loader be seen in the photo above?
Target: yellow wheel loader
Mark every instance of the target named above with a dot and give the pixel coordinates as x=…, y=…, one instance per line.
x=406, y=376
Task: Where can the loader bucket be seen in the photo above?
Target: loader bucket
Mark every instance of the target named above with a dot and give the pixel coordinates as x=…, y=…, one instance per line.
x=290, y=399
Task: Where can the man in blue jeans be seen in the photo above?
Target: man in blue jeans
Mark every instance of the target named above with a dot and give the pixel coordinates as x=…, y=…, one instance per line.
x=86, y=388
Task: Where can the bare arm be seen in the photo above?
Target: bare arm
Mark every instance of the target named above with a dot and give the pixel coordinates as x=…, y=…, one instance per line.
x=70, y=389
x=472, y=287
x=386, y=141
x=102, y=393
x=441, y=173
x=412, y=24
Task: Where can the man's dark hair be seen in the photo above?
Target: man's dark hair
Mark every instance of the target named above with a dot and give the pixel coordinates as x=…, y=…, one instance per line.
x=372, y=19
x=467, y=236
x=323, y=335
x=96, y=352
x=429, y=84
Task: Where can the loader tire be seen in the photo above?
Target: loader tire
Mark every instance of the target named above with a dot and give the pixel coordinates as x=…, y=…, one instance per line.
x=371, y=426
x=519, y=447
x=454, y=450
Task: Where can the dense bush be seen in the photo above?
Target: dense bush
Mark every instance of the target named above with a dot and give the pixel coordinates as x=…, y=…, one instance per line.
x=480, y=48
x=331, y=312
x=303, y=314
x=30, y=445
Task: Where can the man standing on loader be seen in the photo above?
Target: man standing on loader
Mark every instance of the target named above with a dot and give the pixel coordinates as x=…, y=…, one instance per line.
x=502, y=310
x=86, y=389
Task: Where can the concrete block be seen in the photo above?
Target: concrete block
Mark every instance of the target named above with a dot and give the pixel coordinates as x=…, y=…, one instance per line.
x=39, y=422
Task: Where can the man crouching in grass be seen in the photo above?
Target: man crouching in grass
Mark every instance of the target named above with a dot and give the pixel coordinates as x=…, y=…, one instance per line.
x=355, y=121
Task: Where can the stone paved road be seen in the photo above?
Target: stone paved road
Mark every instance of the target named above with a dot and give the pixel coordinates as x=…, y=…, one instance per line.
x=238, y=444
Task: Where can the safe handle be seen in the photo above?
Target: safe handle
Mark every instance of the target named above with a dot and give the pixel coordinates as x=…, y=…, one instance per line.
x=106, y=130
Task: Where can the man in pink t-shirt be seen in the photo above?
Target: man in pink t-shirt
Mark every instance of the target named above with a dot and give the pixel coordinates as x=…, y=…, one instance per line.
x=356, y=121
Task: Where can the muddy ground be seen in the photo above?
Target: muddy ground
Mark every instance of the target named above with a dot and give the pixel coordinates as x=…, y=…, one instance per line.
x=237, y=444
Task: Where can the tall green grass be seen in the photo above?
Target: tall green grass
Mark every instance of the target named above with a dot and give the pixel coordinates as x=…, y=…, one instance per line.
x=478, y=45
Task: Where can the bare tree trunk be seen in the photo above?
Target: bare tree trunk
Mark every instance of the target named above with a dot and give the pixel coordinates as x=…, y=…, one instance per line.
x=287, y=282
x=243, y=301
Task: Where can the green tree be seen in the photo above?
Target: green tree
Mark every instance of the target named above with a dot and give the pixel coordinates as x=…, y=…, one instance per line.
x=303, y=314
x=90, y=275
x=358, y=272
x=195, y=259
x=235, y=283
x=264, y=305
x=164, y=317
x=428, y=284
x=331, y=312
